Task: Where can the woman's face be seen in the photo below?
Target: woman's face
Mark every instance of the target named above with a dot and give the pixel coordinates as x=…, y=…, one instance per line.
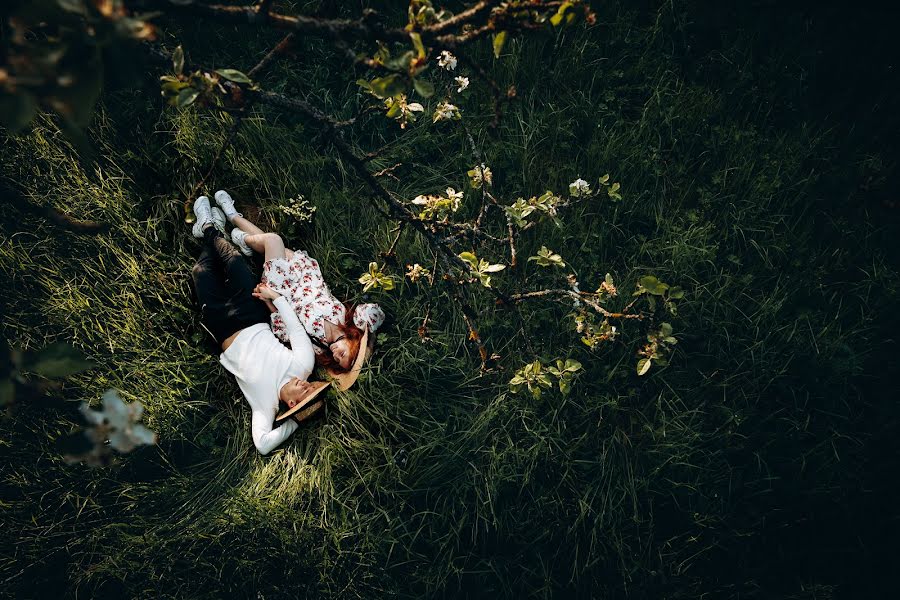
x=340, y=350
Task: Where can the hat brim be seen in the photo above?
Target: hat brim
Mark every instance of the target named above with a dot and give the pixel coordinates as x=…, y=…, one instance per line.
x=317, y=388
x=309, y=411
x=343, y=381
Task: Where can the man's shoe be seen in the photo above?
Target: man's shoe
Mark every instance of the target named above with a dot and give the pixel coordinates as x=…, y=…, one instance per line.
x=203, y=213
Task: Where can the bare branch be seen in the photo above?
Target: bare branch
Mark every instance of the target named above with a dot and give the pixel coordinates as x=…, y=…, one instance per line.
x=364, y=28
x=466, y=16
x=283, y=46
x=580, y=296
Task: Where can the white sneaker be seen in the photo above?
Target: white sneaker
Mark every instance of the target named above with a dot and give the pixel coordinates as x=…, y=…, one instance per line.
x=237, y=236
x=218, y=218
x=226, y=203
x=204, y=215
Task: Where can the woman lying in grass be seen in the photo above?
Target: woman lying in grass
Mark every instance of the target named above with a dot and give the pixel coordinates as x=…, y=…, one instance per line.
x=231, y=311
x=337, y=332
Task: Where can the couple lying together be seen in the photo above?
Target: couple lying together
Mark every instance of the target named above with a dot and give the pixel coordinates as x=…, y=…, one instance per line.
x=250, y=320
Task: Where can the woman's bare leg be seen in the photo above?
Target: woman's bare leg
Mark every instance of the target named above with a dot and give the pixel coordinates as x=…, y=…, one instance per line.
x=269, y=244
x=246, y=226
x=252, y=230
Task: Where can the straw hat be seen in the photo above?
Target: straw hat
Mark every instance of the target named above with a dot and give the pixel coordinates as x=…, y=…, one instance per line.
x=306, y=404
x=343, y=381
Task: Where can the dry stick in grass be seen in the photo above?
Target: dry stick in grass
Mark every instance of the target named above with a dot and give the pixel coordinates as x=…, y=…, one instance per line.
x=469, y=316
x=390, y=252
x=389, y=171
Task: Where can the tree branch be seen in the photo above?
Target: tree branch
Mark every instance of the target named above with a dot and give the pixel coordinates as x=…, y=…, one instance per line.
x=580, y=296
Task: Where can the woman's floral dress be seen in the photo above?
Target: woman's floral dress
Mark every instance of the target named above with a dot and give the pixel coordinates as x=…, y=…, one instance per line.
x=300, y=281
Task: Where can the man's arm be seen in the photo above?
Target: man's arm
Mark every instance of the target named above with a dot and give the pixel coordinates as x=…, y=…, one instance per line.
x=265, y=438
x=301, y=346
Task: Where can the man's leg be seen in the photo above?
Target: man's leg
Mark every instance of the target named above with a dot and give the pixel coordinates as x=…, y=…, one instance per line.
x=245, y=310
x=239, y=278
x=209, y=281
x=212, y=294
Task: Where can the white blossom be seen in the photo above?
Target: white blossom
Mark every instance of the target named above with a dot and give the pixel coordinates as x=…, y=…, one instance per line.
x=462, y=82
x=446, y=60
x=416, y=272
x=455, y=198
x=446, y=112
x=478, y=176
x=399, y=109
x=579, y=188
x=118, y=422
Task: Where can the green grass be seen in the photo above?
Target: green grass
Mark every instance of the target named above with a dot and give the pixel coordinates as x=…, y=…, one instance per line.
x=752, y=466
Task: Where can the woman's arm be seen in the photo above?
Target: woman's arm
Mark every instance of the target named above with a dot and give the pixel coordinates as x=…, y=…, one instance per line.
x=301, y=346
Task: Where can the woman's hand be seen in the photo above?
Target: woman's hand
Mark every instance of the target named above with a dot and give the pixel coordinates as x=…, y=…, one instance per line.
x=265, y=293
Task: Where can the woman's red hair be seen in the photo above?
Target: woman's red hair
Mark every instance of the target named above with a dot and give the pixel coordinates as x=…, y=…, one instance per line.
x=353, y=335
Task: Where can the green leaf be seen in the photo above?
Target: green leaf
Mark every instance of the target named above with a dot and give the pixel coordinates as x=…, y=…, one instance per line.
x=676, y=293
x=400, y=63
x=57, y=360
x=493, y=268
x=469, y=258
x=499, y=41
x=233, y=75
x=186, y=97
x=394, y=110
x=178, y=60
x=572, y=365
x=417, y=44
x=423, y=87
x=643, y=366
x=387, y=86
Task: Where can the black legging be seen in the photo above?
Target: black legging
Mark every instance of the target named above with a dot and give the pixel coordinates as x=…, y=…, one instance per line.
x=224, y=285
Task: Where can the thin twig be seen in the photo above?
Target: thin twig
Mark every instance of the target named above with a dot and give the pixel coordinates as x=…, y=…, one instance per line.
x=469, y=316
x=388, y=171
x=580, y=296
x=283, y=46
x=390, y=251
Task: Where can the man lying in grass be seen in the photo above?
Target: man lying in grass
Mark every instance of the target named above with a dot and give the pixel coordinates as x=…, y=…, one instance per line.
x=234, y=310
